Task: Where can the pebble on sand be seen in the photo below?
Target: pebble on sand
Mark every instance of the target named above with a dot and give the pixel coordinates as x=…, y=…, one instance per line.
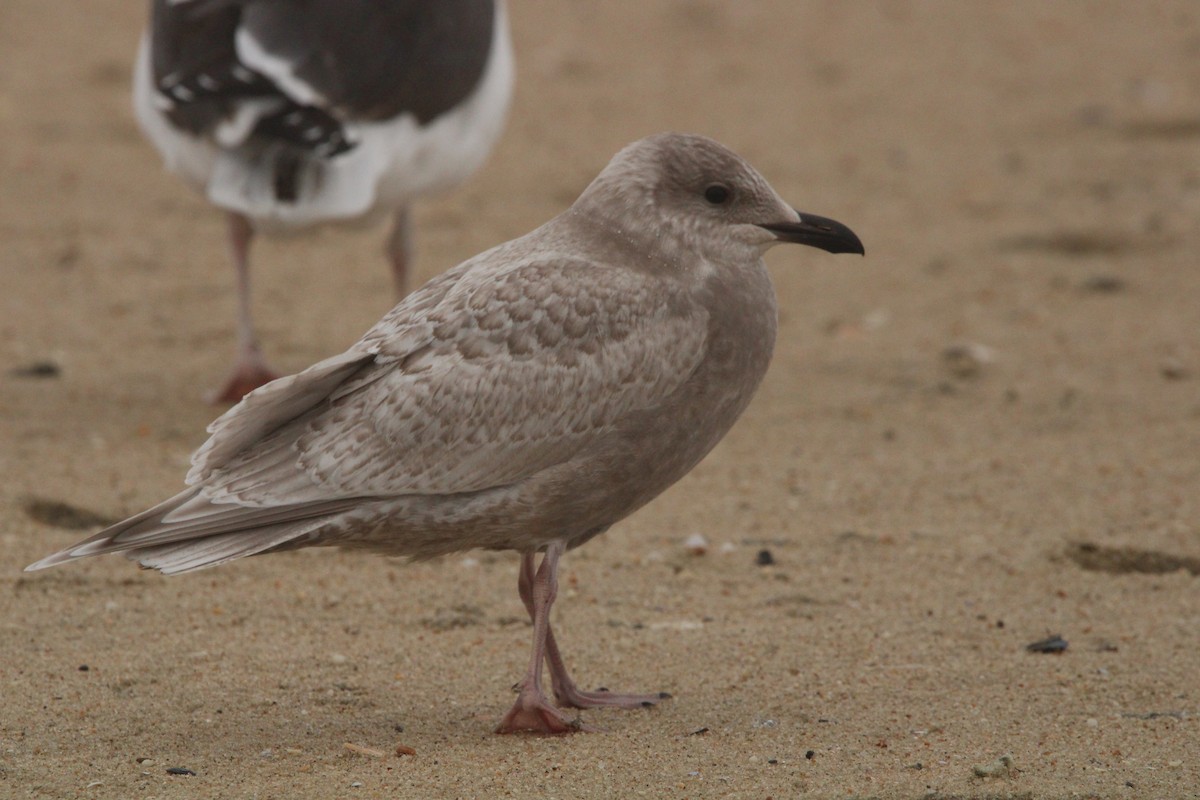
x=1002, y=767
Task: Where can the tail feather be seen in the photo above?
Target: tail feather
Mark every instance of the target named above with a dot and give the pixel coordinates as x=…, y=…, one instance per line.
x=189, y=532
x=194, y=554
x=204, y=525
x=280, y=187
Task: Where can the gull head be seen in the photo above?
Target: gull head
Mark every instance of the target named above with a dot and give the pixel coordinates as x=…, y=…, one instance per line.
x=679, y=196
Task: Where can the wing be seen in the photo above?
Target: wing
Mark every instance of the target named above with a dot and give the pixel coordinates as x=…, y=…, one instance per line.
x=207, y=88
x=509, y=374
x=480, y=378
x=190, y=531
x=371, y=60
x=312, y=65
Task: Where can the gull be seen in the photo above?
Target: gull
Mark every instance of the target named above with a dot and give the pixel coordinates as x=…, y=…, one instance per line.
x=526, y=400
x=289, y=114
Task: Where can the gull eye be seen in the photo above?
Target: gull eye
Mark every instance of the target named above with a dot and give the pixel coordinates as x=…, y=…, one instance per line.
x=717, y=194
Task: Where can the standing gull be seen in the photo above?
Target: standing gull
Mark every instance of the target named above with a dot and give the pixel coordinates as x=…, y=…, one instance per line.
x=525, y=400
x=289, y=113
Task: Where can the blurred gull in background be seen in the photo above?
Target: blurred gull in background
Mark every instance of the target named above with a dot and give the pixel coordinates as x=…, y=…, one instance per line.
x=288, y=114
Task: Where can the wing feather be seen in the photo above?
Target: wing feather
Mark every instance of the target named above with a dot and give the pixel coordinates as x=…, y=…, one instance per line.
x=515, y=372
x=493, y=372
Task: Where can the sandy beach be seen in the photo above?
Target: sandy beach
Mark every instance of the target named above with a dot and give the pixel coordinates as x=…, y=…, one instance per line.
x=984, y=434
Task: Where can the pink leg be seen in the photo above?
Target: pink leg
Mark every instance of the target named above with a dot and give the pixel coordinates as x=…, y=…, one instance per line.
x=250, y=370
x=399, y=251
x=533, y=710
x=566, y=692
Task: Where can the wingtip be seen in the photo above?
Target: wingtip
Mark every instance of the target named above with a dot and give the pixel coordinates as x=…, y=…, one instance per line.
x=91, y=547
x=48, y=561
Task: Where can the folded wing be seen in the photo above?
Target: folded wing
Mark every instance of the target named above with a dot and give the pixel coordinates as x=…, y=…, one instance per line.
x=468, y=385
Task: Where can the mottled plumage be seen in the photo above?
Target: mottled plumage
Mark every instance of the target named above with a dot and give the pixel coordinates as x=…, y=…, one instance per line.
x=525, y=400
